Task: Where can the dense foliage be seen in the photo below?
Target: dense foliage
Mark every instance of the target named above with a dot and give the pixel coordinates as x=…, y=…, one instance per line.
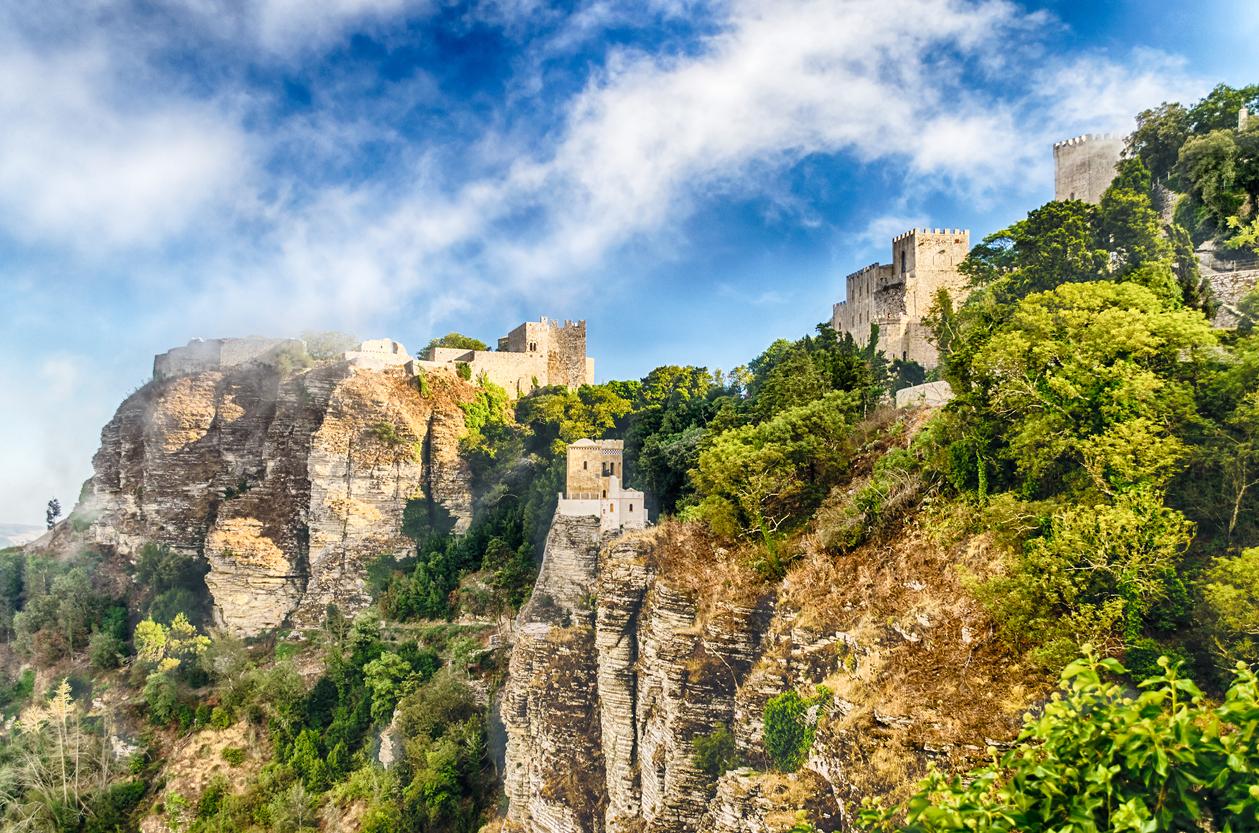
x=1201, y=152
x=1100, y=759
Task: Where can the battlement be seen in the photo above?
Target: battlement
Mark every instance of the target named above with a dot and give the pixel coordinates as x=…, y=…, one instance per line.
x=928, y=232
x=1086, y=138
x=863, y=270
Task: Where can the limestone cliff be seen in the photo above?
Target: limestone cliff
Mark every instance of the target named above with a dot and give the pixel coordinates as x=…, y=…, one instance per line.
x=632, y=647
x=286, y=482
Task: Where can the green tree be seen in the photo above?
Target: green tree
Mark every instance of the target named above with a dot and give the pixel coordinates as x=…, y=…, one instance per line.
x=1231, y=592
x=388, y=677
x=1159, y=135
x=1098, y=759
x=459, y=341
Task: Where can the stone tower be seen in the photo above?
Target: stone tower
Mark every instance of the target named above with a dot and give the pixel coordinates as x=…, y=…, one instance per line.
x=897, y=295
x=593, y=486
x=1084, y=166
x=562, y=344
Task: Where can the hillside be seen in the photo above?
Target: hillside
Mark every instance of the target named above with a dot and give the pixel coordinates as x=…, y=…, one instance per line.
x=339, y=591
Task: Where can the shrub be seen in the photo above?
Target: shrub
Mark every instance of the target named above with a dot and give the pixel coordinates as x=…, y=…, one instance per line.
x=1100, y=759
x=161, y=694
x=789, y=728
x=221, y=717
x=105, y=650
x=234, y=755
x=715, y=753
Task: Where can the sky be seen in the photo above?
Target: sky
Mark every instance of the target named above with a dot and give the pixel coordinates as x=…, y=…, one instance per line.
x=694, y=179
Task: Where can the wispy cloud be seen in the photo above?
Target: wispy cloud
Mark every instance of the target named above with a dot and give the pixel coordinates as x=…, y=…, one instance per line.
x=155, y=142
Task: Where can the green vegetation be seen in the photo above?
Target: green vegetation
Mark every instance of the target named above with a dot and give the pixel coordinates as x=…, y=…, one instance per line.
x=1100, y=759
x=715, y=752
x=1199, y=152
x=459, y=341
x=789, y=727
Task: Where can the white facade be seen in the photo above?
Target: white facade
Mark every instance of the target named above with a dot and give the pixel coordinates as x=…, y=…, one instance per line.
x=592, y=487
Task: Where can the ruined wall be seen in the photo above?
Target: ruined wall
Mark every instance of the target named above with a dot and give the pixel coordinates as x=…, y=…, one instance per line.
x=1085, y=166
x=216, y=354
x=287, y=483
x=1231, y=279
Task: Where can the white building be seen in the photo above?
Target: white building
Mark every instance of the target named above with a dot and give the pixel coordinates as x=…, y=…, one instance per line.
x=593, y=486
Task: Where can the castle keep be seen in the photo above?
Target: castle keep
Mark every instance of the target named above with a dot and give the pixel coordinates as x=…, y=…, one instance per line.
x=1085, y=166
x=535, y=354
x=593, y=486
x=897, y=295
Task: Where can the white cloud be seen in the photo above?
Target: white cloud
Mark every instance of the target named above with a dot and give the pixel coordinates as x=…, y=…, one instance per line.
x=289, y=26
x=653, y=135
x=82, y=164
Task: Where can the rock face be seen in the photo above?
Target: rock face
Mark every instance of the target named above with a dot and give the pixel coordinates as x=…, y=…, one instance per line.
x=633, y=647
x=286, y=482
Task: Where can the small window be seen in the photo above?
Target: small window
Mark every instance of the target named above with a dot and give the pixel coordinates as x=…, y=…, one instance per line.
x=903, y=262
x=605, y=492
x=585, y=464
x=631, y=507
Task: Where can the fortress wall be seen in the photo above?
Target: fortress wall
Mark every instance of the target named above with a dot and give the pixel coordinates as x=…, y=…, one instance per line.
x=513, y=372
x=197, y=356
x=854, y=314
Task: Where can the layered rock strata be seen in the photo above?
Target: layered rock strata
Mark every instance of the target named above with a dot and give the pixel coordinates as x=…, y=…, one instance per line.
x=287, y=482
x=631, y=648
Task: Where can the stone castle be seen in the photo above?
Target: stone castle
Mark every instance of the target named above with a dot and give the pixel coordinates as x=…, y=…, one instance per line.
x=593, y=487
x=1085, y=166
x=535, y=354
x=897, y=295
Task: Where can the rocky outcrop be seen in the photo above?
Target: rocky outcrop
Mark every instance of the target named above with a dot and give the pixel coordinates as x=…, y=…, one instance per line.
x=614, y=671
x=633, y=647
x=286, y=481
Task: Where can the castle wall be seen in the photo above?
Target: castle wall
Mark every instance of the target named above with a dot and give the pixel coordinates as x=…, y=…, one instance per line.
x=1085, y=166
x=214, y=354
x=896, y=296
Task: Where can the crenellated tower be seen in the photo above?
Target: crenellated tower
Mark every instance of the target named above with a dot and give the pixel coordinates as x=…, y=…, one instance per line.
x=1085, y=166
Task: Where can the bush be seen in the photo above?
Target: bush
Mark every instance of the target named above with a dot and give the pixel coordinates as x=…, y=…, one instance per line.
x=1100, y=759
x=105, y=650
x=715, y=752
x=161, y=694
x=789, y=728
x=234, y=755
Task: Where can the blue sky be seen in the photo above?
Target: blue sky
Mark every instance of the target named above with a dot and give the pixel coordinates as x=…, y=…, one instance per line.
x=693, y=178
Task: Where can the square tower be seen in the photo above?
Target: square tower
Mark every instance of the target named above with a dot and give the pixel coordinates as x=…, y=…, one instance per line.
x=896, y=296
x=593, y=486
x=1084, y=166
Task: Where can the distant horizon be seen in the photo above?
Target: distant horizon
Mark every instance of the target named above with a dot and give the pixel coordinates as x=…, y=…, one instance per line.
x=692, y=179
